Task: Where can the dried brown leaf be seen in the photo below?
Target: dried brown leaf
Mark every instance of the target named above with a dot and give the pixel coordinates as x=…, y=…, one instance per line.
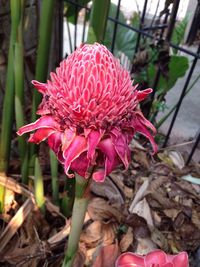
x=109, y=233
x=171, y=213
x=15, y=223
x=145, y=245
x=196, y=218
x=142, y=209
x=79, y=259
x=107, y=256
x=113, y=191
x=161, y=197
x=159, y=239
x=138, y=225
x=141, y=157
x=126, y=240
x=99, y=209
x=139, y=195
x=157, y=183
x=92, y=235
x=177, y=159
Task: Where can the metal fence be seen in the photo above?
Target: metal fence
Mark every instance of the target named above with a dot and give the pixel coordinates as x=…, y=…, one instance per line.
x=159, y=29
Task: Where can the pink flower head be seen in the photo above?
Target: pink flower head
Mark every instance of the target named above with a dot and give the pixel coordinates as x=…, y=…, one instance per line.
x=156, y=258
x=89, y=113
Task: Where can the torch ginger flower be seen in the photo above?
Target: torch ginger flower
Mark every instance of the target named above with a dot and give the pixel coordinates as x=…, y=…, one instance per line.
x=155, y=258
x=89, y=113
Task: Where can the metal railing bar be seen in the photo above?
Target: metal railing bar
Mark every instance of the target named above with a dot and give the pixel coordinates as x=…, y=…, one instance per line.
x=75, y=28
x=181, y=98
x=115, y=27
x=141, y=25
x=193, y=148
x=84, y=26
x=184, y=50
x=156, y=27
x=78, y=4
x=171, y=24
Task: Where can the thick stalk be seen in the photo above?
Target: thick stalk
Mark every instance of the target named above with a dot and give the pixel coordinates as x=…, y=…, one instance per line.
x=45, y=33
x=77, y=220
x=98, y=21
x=54, y=177
x=68, y=200
x=19, y=94
x=8, y=103
x=43, y=52
x=39, y=187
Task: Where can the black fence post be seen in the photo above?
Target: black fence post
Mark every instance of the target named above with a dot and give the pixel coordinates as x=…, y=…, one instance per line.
x=181, y=97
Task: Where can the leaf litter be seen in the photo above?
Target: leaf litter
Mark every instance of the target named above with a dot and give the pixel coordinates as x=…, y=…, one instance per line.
x=154, y=204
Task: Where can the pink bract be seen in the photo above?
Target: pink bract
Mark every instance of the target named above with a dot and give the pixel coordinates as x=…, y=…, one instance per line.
x=156, y=258
x=89, y=113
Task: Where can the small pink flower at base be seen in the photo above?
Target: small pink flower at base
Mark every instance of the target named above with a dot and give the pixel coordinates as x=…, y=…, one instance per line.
x=90, y=113
x=156, y=258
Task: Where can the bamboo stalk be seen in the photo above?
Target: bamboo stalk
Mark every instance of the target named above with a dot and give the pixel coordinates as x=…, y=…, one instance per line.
x=44, y=45
x=43, y=52
x=39, y=186
x=98, y=19
x=19, y=93
x=8, y=103
x=54, y=177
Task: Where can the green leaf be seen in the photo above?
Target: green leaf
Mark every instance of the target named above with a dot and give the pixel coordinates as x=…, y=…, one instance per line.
x=125, y=39
x=98, y=21
x=72, y=10
x=179, y=33
x=178, y=66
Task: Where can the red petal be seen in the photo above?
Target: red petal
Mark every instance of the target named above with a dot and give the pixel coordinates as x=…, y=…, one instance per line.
x=80, y=165
x=99, y=176
x=181, y=260
x=111, y=161
x=94, y=138
x=155, y=257
x=75, y=149
x=144, y=121
x=41, y=87
x=43, y=122
x=140, y=125
x=120, y=143
x=68, y=137
x=40, y=135
x=169, y=264
x=54, y=142
x=130, y=259
x=143, y=94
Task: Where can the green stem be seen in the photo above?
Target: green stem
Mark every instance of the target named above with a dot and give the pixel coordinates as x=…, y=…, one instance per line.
x=19, y=94
x=98, y=21
x=8, y=103
x=78, y=216
x=43, y=52
x=54, y=177
x=39, y=187
x=45, y=33
x=68, y=199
